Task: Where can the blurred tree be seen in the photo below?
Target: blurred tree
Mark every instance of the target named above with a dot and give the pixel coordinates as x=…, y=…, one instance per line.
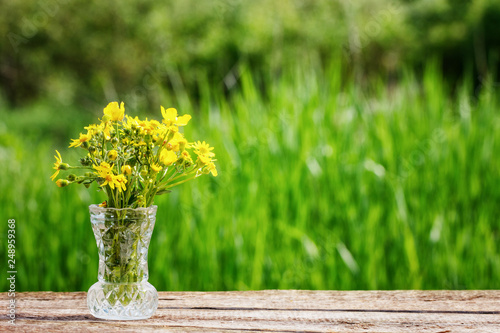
x=74, y=51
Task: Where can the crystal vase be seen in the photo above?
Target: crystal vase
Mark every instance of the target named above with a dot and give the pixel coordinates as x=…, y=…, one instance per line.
x=123, y=291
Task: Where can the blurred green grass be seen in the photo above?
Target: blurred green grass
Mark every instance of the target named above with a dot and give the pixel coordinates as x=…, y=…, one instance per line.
x=323, y=183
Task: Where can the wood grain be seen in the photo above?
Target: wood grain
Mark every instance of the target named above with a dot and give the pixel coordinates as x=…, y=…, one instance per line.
x=270, y=311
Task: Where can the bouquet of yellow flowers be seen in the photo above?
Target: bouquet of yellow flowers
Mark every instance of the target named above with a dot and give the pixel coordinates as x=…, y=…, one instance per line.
x=134, y=160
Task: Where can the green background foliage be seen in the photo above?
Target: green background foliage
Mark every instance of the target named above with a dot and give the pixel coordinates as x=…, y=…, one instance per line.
x=80, y=52
x=356, y=144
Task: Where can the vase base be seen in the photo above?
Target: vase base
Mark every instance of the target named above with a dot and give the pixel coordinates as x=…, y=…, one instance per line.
x=122, y=301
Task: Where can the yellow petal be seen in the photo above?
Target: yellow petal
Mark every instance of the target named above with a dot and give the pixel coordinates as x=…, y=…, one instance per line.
x=183, y=120
x=108, y=110
x=54, y=175
x=168, y=157
x=171, y=114
x=214, y=172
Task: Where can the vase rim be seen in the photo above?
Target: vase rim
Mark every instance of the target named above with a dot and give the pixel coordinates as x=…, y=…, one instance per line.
x=96, y=208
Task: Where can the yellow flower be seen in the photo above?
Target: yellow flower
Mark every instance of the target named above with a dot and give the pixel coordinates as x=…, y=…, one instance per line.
x=212, y=169
x=92, y=129
x=156, y=167
x=160, y=132
x=205, y=160
x=149, y=126
x=77, y=142
x=118, y=181
x=186, y=157
x=177, y=143
x=172, y=129
x=109, y=180
x=127, y=170
x=168, y=157
x=144, y=126
x=112, y=154
x=114, y=112
x=131, y=122
x=121, y=180
x=104, y=204
x=202, y=148
x=105, y=128
x=170, y=117
x=56, y=165
x=103, y=169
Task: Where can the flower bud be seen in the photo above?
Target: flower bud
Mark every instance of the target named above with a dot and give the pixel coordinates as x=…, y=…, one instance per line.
x=171, y=133
x=80, y=179
x=63, y=166
x=71, y=177
x=127, y=170
x=144, y=172
x=92, y=149
x=62, y=182
x=85, y=145
x=112, y=154
x=85, y=161
x=89, y=174
x=114, y=141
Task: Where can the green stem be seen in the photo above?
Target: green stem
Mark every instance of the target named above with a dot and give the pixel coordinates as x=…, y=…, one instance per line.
x=80, y=167
x=118, y=166
x=182, y=174
x=182, y=181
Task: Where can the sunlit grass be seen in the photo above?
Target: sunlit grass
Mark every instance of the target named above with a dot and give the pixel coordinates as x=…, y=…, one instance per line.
x=322, y=185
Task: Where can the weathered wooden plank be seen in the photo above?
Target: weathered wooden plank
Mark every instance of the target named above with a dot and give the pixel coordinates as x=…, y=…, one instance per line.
x=272, y=310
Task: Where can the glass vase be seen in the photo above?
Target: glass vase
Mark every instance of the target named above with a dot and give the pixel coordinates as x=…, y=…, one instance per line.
x=123, y=291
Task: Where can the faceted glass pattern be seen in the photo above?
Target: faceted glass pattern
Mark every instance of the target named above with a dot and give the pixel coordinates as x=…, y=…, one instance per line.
x=123, y=291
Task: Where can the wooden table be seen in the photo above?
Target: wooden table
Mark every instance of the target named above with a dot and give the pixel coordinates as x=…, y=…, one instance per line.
x=270, y=311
